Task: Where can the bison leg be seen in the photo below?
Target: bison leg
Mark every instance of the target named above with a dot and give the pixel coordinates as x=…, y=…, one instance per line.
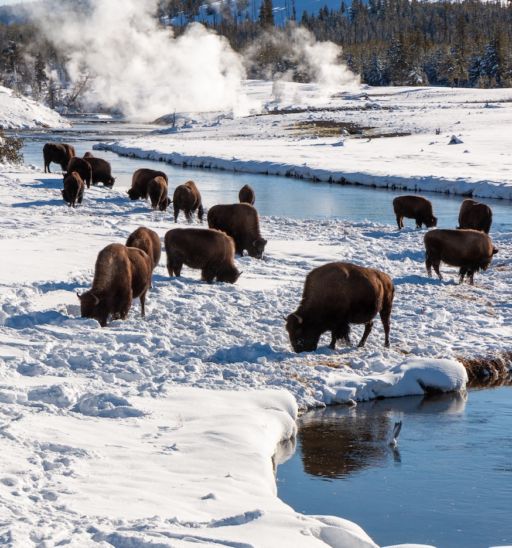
x=462, y=273
x=174, y=266
x=436, y=266
x=332, y=346
x=428, y=265
x=188, y=215
x=207, y=275
x=340, y=332
x=142, y=299
x=367, y=328
x=418, y=223
x=399, y=222
x=200, y=213
x=385, y=315
x=176, y=213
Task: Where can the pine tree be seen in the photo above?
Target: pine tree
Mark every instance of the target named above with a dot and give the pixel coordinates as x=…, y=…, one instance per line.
x=266, y=14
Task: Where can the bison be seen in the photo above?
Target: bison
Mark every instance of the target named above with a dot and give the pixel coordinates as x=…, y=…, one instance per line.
x=147, y=240
x=88, y=155
x=414, y=207
x=101, y=171
x=121, y=274
x=73, y=191
x=210, y=250
x=58, y=153
x=246, y=195
x=140, y=182
x=82, y=167
x=336, y=295
x=188, y=199
x=240, y=221
x=157, y=190
x=470, y=250
x=475, y=215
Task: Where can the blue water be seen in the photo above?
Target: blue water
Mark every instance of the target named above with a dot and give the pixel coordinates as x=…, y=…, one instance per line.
x=275, y=195
x=449, y=484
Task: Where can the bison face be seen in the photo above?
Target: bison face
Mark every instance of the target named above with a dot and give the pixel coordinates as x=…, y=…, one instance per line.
x=302, y=337
x=257, y=248
x=133, y=194
x=90, y=307
x=229, y=276
x=431, y=222
x=111, y=182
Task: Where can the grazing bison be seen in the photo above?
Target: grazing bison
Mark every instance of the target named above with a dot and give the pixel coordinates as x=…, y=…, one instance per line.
x=140, y=182
x=336, y=295
x=101, y=171
x=58, y=153
x=246, y=195
x=157, y=190
x=82, y=167
x=414, y=207
x=475, y=215
x=121, y=274
x=187, y=198
x=471, y=250
x=147, y=240
x=88, y=155
x=73, y=191
x=210, y=250
x=240, y=221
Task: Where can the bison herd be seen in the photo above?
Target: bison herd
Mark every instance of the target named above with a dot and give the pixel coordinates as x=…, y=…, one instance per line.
x=335, y=295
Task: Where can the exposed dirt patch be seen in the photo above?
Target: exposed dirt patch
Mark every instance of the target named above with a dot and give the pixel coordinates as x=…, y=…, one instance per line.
x=489, y=371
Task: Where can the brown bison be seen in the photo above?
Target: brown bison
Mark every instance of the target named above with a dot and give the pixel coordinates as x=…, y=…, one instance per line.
x=88, y=155
x=58, y=153
x=188, y=199
x=470, y=250
x=246, y=195
x=475, y=215
x=336, y=295
x=101, y=171
x=414, y=207
x=157, y=190
x=147, y=240
x=82, y=167
x=73, y=191
x=140, y=182
x=121, y=274
x=210, y=250
x=240, y=221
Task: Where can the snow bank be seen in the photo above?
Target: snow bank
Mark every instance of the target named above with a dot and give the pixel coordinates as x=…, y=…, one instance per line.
x=18, y=112
x=391, y=137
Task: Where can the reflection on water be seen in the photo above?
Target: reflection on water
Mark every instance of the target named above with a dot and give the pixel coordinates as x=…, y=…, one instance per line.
x=449, y=483
x=278, y=196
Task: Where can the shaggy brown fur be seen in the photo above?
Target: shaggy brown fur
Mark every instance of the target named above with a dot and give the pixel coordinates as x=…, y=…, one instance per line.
x=336, y=295
x=470, y=250
x=209, y=250
x=140, y=182
x=73, y=191
x=475, y=215
x=187, y=198
x=240, y=221
x=58, y=153
x=88, y=155
x=147, y=240
x=82, y=167
x=246, y=195
x=157, y=190
x=101, y=171
x=121, y=275
x=414, y=207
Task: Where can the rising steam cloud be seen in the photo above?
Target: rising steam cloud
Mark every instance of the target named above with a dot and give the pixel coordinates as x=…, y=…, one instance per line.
x=141, y=68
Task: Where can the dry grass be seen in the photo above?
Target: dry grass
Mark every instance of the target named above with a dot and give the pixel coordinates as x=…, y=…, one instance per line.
x=489, y=371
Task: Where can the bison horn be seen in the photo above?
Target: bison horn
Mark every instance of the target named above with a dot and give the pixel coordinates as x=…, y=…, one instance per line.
x=78, y=295
x=96, y=300
x=494, y=251
x=299, y=318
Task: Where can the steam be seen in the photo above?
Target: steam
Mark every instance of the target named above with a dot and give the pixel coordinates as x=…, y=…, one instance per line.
x=119, y=57
x=140, y=68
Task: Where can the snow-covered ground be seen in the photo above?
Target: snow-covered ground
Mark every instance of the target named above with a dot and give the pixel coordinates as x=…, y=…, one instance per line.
x=18, y=112
x=287, y=142
x=147, y=433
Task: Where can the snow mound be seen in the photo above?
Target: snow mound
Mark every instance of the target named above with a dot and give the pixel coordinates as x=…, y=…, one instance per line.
x=106, y=405
x=18, y=112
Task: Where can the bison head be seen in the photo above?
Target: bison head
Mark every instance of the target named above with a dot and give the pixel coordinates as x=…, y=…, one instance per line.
x=431, y=222
x=133, y=194
x=110, y=182
x=91, y=307
x=257, y=248
x=229, y=275
x=303, y=338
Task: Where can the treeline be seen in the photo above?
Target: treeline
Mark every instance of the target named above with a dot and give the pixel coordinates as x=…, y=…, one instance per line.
x=405, y=42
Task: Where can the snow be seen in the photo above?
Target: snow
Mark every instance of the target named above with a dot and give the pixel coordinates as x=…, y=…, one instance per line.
x=282, y=142
x=19, y=112
x=163, y=431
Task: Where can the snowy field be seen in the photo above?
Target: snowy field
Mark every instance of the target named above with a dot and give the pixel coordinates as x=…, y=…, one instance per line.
x=388, y=137
x=162, y=431
x=19, y=112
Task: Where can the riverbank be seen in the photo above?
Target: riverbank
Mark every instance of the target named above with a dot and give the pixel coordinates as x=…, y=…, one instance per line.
x=163, y=430
x=383, y=137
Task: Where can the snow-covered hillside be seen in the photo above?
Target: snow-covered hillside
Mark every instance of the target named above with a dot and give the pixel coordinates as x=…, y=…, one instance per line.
x=18, y=112
x=389, y=137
